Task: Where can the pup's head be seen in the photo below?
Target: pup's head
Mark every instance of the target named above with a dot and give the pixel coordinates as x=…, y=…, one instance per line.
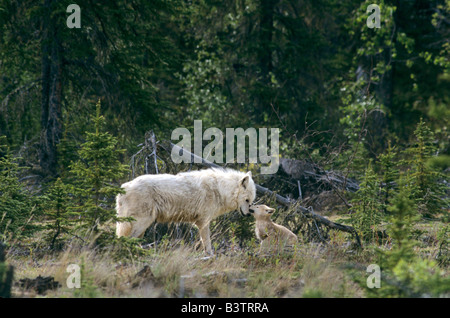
x=247, y=193
x=261, y=211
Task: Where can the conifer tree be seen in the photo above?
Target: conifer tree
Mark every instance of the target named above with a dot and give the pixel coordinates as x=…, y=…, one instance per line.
x=56, y=212
x=405, y=274
x=16, y=205
x=388, y=162
x=404, y=215
x=427, y=193
x=367, y=209
x=97, y=173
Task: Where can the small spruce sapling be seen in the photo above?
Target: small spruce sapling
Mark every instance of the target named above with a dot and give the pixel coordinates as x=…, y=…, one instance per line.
x=367, y=214
x=17, y=206
x=426, y=191
x=57, y=213
x=389, y=173
x=97, y=173
x=405, y=274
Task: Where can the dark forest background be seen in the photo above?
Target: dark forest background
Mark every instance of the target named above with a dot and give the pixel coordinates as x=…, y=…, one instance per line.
x=302, y=66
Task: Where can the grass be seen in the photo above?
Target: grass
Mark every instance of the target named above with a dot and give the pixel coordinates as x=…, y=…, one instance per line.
x=174, y=269
x=177, y=273
x=184, y=272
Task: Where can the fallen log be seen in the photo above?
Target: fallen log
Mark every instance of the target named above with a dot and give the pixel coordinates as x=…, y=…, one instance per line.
x=265, y=191
x=301, y=169
x=40, y=284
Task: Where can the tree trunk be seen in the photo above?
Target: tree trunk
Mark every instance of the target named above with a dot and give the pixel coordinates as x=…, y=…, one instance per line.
x=264, y=56
x=265, y=35
x=6, y=274
x=52, y=68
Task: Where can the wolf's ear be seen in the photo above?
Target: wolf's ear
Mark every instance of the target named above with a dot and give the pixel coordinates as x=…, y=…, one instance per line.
x=249, y=174
x=244, y=181
x=270, y=210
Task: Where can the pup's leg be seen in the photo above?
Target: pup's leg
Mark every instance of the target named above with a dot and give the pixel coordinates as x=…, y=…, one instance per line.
x=264, y=246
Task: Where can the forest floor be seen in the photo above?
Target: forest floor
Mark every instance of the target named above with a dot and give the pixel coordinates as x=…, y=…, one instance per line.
x=174, y=269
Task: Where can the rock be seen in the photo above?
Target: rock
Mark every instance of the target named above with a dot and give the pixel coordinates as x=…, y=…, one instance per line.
x=144, y=276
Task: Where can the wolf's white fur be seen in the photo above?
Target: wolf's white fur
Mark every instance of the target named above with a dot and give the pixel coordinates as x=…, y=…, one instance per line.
x=195, y=197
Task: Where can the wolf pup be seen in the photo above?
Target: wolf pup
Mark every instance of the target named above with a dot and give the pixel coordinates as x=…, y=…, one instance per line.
x=273, y=237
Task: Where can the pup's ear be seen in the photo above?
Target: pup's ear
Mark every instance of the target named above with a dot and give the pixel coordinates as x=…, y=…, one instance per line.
x=270, y=210
x=249, y=173
x=244, y=181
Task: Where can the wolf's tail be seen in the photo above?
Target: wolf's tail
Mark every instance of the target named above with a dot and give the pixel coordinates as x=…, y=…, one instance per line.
x=122, y=228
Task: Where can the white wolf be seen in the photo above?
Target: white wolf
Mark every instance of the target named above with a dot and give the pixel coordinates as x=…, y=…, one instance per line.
x=195, y=197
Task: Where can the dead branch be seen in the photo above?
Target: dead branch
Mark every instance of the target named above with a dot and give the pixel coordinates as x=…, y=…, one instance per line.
x=19, y=89
x=147, y=151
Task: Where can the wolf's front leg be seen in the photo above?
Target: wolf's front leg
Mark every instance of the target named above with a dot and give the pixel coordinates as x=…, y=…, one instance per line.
x=205, y=236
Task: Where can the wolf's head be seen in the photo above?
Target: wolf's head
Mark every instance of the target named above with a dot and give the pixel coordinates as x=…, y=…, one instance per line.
x=246, y=194
x=261, y=212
